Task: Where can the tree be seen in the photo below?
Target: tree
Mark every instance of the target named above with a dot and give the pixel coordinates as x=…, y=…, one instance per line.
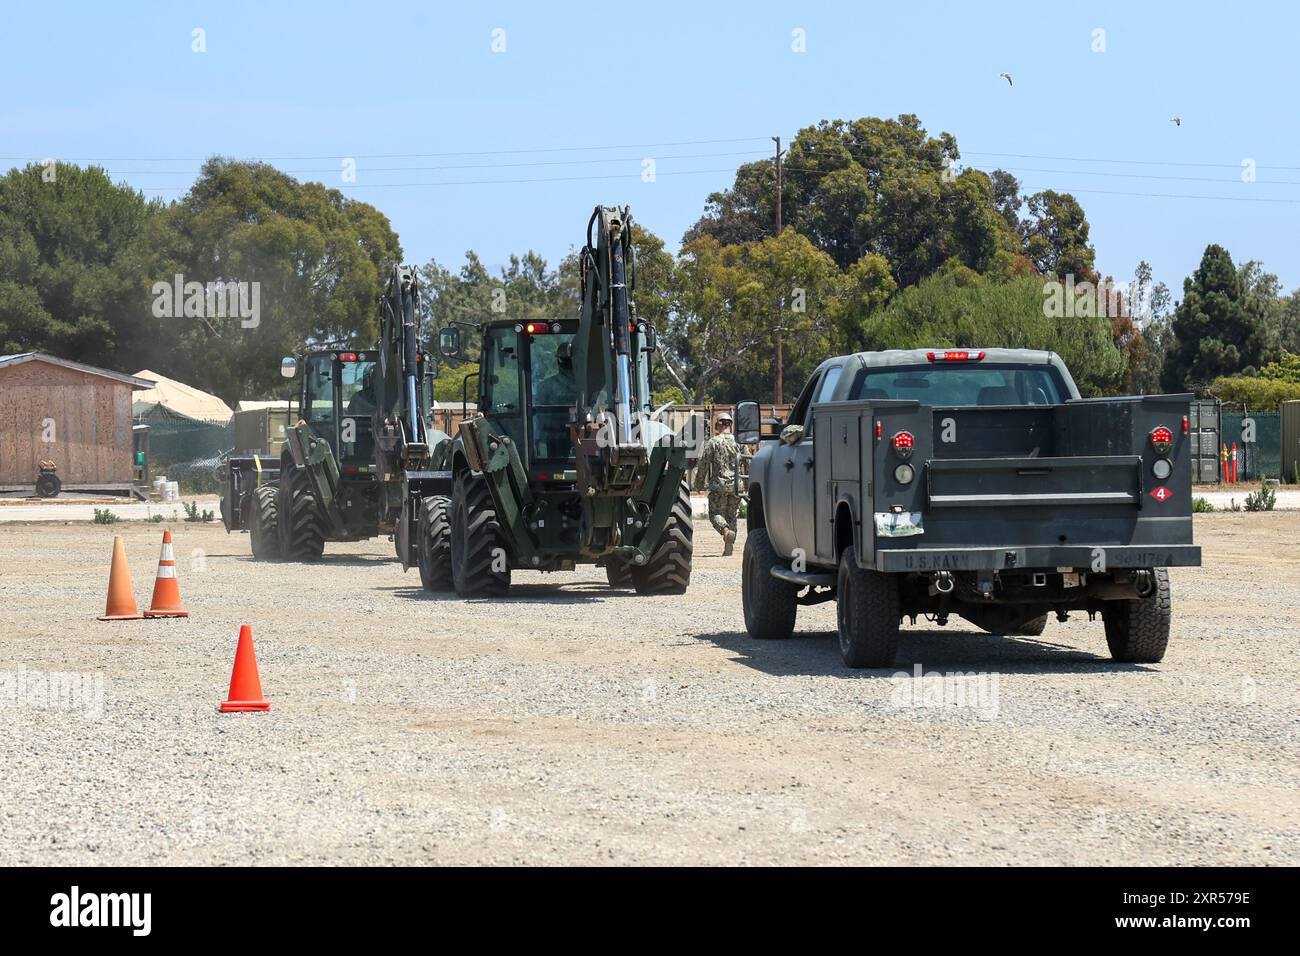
x=70, y=279
x=317, y=259
x=958, y=308
x=1056, y=236
x=1218, y=329
x=730, y=302
x=887, y=187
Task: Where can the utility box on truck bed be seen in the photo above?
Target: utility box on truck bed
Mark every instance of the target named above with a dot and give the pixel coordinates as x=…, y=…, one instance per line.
x=997, y=494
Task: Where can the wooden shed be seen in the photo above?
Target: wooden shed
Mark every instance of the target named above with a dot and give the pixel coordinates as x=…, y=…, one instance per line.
x=75, y=415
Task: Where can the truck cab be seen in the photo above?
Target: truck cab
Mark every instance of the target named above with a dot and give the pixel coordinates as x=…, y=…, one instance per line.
x=968, y=481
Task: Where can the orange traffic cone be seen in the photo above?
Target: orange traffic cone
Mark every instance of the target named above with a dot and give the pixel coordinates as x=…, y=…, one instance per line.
x=121, y=602
x=245, y=685
x=166, y=592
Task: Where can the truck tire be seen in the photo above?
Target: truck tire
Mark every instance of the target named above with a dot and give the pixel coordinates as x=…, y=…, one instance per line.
x=1032, y=628
x=302, y=526
x=619, y=573
x=669, y=569
x=1138, y=631
x=477, y=541
x=867, y=614
x=769, y=602
x=263, y=523
x=433, y=543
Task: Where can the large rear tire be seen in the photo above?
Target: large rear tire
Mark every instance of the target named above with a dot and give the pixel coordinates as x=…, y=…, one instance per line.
x=669, y=569
x=769, y=603
x=479, y=557
x=433, y=544
x=867, y=614
x=263, y=523
x=302, y=525
x=1137, y=632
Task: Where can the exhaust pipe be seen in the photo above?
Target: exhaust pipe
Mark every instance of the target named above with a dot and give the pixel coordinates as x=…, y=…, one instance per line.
x=944, y=582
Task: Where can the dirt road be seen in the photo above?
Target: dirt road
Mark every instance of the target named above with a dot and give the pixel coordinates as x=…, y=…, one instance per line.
x=574, y=724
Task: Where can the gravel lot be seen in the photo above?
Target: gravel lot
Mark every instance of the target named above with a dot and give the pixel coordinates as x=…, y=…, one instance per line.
x=573, y=724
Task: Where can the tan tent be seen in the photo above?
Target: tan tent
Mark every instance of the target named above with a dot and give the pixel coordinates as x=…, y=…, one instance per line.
x=179, y=398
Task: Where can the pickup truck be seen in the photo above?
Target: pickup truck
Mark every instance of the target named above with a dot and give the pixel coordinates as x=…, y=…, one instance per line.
x=969, y=482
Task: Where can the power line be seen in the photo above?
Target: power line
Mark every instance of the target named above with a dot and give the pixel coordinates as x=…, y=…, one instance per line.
x=472, y=152
x=392, y=169
x=1131, y=162
x=491, y=182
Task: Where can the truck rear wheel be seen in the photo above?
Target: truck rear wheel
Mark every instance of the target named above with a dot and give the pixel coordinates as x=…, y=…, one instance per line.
x=263, y=524
x=1138, y=631
x=669, y=569
x=433, y=543
x=769, y=602
x=866, y=611
x=479, y=564
x=302, y=526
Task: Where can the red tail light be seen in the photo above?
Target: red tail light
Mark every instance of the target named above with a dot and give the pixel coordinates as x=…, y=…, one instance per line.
x=347, y=356
x=955, y=355
x=1186, y=426
x=880, y=431
x=903, y=443
x=1162, y=440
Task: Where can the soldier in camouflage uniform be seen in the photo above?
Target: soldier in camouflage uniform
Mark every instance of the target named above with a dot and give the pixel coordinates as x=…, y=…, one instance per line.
x=716, y=471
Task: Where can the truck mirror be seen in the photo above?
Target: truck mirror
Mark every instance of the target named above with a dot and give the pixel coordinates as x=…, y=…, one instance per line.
x=748, y=423
x=288, y=366
x=449, y=342
x=651, y=337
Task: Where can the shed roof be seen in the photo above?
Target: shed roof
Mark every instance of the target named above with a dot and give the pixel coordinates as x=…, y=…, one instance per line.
x=20, y=357
x=180, y=398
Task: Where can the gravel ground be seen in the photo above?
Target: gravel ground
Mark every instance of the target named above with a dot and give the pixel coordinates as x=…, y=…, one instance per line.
x=574, y=724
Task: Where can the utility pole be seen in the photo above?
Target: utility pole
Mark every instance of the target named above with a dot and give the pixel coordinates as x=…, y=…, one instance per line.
x=780, y=351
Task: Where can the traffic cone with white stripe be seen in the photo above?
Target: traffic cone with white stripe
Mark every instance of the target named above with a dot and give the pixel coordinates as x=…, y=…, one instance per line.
x=166, y=592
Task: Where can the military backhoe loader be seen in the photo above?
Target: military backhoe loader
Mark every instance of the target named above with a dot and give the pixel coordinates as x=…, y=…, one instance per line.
x=565, y=463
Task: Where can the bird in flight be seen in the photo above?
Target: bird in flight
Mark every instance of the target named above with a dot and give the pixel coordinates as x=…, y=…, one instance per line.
x=1007, y=77
x=1176, y=120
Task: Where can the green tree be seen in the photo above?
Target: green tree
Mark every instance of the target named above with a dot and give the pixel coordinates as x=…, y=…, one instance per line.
x=731, y=300
x=958, y=308
x=1055, y=236
x=70, y=275
x=1218, y=328
x=318, y=259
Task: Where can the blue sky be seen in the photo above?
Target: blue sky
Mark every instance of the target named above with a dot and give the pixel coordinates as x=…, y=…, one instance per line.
x=307, y=84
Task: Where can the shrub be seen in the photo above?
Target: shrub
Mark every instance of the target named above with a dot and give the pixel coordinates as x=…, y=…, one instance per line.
x=192, y=513
x=1201, y=505
x=1262, y=500
x=104, y=516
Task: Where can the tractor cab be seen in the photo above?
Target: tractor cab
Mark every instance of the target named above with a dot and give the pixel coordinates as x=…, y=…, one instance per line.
x=337, y=401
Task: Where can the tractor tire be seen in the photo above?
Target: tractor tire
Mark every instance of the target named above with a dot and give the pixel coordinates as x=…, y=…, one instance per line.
x=619, y=573
x=770, y=605
x=433, y=544
x=1137, y=632
x=477, y=541
x=867, y=614
x=48, y=485
x=302, y=526
x=669, y=569
x=1032, y=628
x=263, y=523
